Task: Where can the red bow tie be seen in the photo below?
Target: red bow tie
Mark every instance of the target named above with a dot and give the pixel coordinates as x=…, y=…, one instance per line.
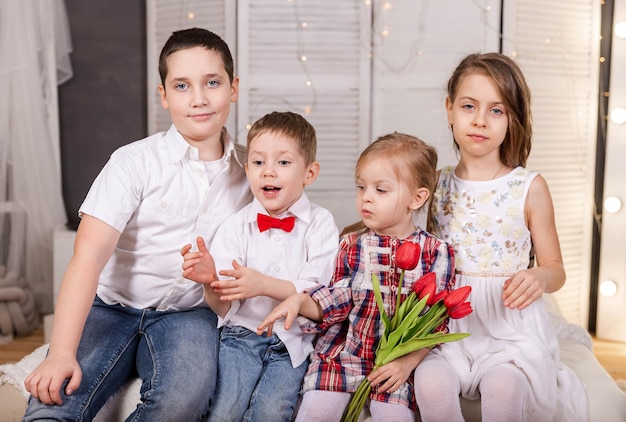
x=266, y=222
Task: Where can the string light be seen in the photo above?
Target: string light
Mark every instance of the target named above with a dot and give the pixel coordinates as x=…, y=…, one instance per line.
x=618, y=116
x=612, y=204
x=620, y=30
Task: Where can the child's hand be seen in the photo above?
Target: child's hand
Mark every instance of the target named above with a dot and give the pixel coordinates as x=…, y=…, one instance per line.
x=45, y=382
x=244, y=283
x=391, y=376
x=287, y=309
x=198, y=266
x=523, y=289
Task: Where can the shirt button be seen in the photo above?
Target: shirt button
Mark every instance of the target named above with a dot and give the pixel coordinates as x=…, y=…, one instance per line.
x=163, y=205
x=276, y=270
x=182, y=280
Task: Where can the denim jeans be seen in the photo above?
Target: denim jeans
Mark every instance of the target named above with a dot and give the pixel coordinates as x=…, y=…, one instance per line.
x=173, y=352
x=256, y=381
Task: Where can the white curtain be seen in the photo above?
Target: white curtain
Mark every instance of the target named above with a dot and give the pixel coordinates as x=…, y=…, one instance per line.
x=34, y=58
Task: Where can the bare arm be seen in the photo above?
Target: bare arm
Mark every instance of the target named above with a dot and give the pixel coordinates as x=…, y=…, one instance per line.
x=94, y=245
x=549, y=275
x=289, y=309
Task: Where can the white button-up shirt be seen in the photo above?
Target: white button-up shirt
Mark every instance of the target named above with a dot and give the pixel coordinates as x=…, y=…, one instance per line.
x=156, y=192
x=305, y=256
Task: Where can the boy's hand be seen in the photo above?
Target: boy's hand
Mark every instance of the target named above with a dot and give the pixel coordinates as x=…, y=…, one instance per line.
x=244, y=283
x=198, y=266
x=45, y=382
x=287, y=309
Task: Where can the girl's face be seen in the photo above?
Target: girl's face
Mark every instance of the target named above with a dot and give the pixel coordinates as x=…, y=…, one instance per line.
x=385, y=203
x=478, y=117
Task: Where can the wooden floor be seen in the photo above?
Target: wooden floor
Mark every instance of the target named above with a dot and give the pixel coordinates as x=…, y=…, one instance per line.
x=611, y=354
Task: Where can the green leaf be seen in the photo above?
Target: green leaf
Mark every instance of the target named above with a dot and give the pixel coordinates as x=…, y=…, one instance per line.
x=419, y=343
x=379, y=300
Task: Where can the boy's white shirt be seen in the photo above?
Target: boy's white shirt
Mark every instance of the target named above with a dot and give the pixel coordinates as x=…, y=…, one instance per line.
x=156, y=192
x=304, y=256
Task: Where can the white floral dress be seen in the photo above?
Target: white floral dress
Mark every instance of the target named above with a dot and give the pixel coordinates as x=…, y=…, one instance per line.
x=484, y=222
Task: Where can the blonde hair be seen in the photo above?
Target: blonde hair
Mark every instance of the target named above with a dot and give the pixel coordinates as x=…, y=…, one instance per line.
x=412, y=160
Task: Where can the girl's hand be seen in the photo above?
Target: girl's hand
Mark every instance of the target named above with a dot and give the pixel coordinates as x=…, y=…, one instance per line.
x=523, y=288
x=287, y=309
x=244, y=283
x=391, y=376
x=198, y=266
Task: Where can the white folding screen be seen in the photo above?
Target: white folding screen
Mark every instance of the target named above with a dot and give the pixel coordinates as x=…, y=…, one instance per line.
x=416, y=46
x=557, y=45
x=311, y=57
x=357, y=69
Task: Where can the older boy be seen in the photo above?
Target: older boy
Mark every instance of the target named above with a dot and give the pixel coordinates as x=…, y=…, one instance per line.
x=152, y=196
x=278, y=245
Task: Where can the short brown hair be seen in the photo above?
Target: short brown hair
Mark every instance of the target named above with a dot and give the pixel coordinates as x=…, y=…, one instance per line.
x=291, y=125
x=195, y=37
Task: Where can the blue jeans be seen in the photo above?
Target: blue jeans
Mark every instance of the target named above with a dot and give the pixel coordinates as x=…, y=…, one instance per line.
x=173, y=352
x=256, y=381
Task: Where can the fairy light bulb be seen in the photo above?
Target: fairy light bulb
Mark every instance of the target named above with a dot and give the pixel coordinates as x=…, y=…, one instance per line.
x=608, y=288
x=618, y=115
x=612, y=204
x=620, y=30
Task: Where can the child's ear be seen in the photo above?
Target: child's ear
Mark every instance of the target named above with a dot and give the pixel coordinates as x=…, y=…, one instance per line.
x=234, y=90
x=312, y=171
x=164, y=103
x=419, y=198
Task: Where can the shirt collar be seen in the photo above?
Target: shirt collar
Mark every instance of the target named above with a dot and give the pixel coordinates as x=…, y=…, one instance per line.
x=301, y=209
x=178, y=147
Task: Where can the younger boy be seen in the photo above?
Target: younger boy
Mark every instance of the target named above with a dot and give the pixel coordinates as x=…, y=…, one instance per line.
x=151, y=197
x=278, y=245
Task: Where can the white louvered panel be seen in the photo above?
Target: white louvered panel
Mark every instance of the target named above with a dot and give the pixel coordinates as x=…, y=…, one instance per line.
x=273, y=37
x=416, y=46
x=167, y=16
x=555, y=45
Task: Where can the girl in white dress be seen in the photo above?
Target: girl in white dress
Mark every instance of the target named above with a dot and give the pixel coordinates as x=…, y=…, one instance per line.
x=493, y=212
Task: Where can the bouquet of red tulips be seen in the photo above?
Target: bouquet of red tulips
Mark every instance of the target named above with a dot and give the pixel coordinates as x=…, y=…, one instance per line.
x=416, y=323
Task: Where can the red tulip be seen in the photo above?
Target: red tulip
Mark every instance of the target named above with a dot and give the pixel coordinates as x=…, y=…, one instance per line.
x=419, y=285
x=460, y=311
x=441, y=296
x=457, y=296
x=429, y=290
x=408, y=255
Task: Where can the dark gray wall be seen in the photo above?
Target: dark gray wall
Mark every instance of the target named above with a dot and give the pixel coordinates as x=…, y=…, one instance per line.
x=104, y=105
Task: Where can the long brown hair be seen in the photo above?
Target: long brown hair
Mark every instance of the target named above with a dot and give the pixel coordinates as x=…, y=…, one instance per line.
x=515, y=94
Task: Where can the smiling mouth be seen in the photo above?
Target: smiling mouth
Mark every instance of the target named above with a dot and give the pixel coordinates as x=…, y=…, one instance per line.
x=270, y=189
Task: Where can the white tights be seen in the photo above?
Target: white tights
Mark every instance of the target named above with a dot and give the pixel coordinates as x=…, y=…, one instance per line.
x=437, y=388
x=328, y=406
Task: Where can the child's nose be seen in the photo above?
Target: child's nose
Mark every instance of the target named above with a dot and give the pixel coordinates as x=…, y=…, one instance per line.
x=199, y=97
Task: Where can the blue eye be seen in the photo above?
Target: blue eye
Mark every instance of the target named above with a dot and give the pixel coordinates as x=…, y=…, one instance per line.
x=180, y=86
x=468, y=106
x=213, y=84
x=497, y=111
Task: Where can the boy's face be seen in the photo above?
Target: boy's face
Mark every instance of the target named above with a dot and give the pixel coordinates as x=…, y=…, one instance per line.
x=198, y=93
x=277, y=172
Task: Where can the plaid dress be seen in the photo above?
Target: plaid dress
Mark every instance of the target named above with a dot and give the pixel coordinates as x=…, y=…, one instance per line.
x=351, y=326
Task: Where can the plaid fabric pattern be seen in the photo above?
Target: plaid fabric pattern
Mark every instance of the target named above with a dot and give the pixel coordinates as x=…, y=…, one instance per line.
x=351, y=326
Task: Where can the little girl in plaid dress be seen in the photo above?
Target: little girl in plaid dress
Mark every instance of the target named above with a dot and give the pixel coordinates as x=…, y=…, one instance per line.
x=395, y=177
